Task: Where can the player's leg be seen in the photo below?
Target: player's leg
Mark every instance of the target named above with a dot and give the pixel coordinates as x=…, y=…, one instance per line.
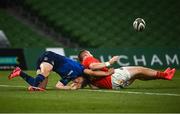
x=143, y=73
x=44, y=83
x=41, y=86
x=41, y=80
x=18, y=72
x=125, y=76
x=45, y=69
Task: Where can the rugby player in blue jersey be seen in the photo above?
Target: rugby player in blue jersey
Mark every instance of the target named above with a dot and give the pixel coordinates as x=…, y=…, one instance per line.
x=68, y=69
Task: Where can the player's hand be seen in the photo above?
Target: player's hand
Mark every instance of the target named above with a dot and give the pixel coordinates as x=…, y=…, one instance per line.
x=75, y=86
x=111, y=71
x=113, y=59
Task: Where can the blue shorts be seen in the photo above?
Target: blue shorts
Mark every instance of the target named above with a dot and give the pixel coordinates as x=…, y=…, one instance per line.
x=45, y=57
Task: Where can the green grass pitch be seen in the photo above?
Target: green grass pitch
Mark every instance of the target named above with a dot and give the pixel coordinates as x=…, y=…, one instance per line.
x=142, y=96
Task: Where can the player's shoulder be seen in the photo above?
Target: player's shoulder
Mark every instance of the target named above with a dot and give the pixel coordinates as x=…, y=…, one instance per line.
x=91, y=58
x=87, y=61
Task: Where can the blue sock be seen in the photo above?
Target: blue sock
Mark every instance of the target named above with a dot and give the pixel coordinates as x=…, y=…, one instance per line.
x=39, y=78
x=27, y=78
x=32, y=81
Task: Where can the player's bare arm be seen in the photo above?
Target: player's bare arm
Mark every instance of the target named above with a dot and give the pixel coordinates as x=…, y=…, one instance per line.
x=60, y=85
x=98, y=73
x=96, y=66
x=76, y=84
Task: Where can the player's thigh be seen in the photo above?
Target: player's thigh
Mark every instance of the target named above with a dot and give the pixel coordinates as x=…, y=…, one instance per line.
x=134, y=70
x=45, y=68
x=44, y=83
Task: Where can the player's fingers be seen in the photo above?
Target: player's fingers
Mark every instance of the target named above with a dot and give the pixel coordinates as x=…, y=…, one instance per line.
x=111, y=70
x=116, y=58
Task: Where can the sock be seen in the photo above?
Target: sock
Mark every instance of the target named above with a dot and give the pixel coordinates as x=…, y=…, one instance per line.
x=32, y=81
x=161, y=75
x=39, y=78
x=27, y=78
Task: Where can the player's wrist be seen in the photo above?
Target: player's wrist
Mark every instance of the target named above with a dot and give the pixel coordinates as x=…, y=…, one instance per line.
x=107, y=64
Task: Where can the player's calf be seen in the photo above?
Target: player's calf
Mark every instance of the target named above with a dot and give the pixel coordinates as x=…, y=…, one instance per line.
x=30, y=80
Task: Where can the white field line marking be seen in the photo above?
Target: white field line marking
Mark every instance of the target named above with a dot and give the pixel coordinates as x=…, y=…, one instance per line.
x=12, y=86
x=110, y=91
x=133, y=92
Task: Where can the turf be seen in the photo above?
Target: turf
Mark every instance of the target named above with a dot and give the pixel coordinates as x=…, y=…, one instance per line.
x=138, y=97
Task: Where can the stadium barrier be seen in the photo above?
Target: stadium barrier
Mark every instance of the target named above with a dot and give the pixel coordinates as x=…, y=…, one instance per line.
x=158, y=58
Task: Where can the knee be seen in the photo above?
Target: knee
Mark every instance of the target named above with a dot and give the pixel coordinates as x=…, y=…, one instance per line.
x=45, y=73
x=45, y=69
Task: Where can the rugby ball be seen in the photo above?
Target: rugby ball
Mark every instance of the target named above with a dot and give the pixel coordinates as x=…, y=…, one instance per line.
x=139, y=24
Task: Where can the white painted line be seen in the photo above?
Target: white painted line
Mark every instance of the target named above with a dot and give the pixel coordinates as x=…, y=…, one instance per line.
x=12, y=86
x=110, y=91
x=134, y=92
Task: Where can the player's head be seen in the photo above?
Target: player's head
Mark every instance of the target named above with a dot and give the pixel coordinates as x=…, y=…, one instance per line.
x=81, y=82
x=83, y=53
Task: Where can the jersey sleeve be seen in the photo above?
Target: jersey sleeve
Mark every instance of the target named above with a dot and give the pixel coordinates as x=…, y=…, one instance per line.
x=88, y=61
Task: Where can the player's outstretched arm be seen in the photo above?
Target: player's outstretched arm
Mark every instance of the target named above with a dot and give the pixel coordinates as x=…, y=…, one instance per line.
x=96, y=66
x=98, y=73
x=76, y=84
x=60, y=85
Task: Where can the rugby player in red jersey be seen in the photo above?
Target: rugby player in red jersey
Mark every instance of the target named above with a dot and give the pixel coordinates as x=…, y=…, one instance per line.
x=122, y=76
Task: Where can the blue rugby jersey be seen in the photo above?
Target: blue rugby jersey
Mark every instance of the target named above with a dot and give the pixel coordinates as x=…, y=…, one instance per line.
x=68, y=69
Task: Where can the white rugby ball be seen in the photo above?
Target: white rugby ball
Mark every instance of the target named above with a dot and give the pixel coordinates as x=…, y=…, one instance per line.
x=139, y=24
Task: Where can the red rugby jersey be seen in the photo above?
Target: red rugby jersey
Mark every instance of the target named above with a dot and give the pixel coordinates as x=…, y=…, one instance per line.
x=101, y=82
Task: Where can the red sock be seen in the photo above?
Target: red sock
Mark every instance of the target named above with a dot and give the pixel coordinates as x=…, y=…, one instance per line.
x=161, y=75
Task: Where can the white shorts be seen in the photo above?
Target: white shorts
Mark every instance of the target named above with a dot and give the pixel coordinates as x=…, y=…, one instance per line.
x=120, y=78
